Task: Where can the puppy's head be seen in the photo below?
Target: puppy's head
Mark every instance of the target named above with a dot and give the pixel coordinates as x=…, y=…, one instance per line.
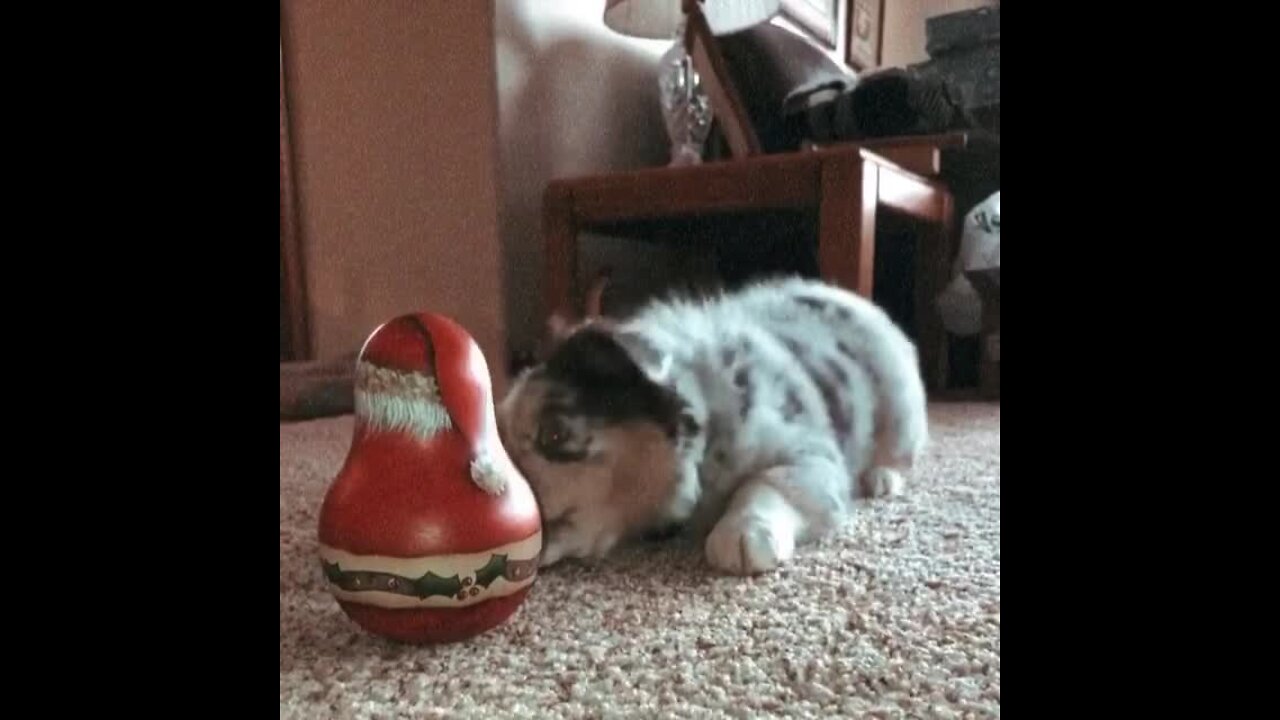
x=597, y=435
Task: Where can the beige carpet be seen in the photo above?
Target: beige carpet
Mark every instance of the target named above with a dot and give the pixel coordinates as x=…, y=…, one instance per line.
x=897, y=618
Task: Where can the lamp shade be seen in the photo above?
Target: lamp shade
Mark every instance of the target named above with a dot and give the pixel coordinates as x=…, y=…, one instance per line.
x=659, y=19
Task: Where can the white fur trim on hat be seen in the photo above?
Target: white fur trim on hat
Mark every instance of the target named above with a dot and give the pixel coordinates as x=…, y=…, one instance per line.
x=391, y=400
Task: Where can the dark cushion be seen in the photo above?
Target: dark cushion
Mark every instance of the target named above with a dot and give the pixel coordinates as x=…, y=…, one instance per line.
x=773, y=70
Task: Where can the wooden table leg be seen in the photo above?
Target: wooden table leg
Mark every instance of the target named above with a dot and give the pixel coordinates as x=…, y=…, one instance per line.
x=933, y=271
x=560, y=240
x=847, y=222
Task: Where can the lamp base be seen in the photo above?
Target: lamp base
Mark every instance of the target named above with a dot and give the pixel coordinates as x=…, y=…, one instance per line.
x=684, y=155
x=686, y=107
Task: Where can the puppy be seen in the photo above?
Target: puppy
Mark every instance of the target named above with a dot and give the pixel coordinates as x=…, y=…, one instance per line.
x=754, y=418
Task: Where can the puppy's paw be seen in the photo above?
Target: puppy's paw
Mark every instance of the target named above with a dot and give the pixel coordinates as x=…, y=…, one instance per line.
x=747, y=546
x=551, y=554
x=602, y=545
x=567, y=541
x=556, y=546
x=881, y=482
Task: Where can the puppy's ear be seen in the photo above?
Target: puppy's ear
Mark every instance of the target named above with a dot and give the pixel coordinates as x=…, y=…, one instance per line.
x=592, y=354
x=594, y=304
x=559, y=326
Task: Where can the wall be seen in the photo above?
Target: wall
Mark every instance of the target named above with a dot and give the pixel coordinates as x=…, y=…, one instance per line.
x=574, y=98
x=904, y=38
x=393, y=111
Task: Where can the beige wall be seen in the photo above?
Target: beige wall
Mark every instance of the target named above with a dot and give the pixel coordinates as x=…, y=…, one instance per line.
x=903, y=40
x=574, y=98
x=394, y=114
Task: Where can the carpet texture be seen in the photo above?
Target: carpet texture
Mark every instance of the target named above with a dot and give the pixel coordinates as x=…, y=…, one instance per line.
x=898, y=617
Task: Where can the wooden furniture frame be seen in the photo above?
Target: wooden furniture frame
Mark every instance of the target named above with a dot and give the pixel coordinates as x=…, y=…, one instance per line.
x=294, y=330
x=846, y=185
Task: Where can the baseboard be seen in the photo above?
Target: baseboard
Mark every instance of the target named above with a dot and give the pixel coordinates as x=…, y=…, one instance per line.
x=316, y=389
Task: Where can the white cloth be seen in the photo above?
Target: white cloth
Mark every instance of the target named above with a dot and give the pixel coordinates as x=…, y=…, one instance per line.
x=959, y=304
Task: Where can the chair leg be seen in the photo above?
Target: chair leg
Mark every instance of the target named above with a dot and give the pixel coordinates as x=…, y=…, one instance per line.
x=933, y=271
x=847, y=222
x=560, y=240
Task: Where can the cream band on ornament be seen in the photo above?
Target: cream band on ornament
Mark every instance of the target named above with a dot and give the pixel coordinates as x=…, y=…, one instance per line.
x=446, y=581
x=390, y=400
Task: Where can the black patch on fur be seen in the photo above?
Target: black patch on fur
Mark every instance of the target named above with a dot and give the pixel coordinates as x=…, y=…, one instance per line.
x=689, y=426
x=793, y=407
x=727, y=357
x=742, y=381
x=607, y=384
x=812, y=303
x=689, y=429
x=841, y=422
x=856, y=358
x=794, y=346
x=825, y=306
x=841, y=375
x=848, y=352
x=831, y=388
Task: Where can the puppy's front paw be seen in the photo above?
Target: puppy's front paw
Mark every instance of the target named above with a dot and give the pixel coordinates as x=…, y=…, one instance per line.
x=747, y=546
x=555, y=546
x=881, y=482
x=551, y=554
x=565, y=541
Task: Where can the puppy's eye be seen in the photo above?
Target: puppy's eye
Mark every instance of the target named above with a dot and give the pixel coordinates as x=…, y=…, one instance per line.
x=553, y=433
x=556, y=443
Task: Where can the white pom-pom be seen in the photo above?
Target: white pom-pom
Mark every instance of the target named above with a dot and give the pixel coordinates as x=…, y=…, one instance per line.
x=486, y=474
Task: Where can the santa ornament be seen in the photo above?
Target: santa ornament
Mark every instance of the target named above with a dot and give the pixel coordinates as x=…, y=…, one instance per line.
x=428, y=534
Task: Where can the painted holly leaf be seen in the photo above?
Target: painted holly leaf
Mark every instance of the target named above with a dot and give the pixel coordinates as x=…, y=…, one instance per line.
x=432, y=584
x=492, y=570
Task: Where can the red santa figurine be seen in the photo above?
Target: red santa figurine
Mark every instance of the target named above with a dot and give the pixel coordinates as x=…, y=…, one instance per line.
x=428, y=534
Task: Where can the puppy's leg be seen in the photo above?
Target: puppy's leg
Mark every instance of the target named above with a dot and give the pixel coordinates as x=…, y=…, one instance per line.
x=885, y=475
x=904, y=419
x=882, y=481
x=775, y=510
x=556, y=546
x=902, y=432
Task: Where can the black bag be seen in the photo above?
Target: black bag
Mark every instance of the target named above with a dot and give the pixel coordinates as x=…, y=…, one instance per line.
x=884, y=104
